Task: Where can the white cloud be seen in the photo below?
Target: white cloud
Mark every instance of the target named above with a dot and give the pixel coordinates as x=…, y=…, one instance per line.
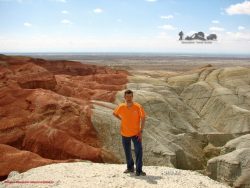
x=119, y=20
x=98, y=10
x=65, y=21
x=241, y=27
x=215, y=21
x=164, y=35
x=151, y=0
x=76, y=44
x=64, y=12
x=167, y=17
x=163, y=43
x=240, y=8
x=27, y=24
x=216, y=29
x=61, y=1
x=18, y=1
x=167, y=27
x=4, y=0
x=237, y=36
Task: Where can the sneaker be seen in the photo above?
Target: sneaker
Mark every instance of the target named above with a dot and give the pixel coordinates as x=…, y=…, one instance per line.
x=140, y=173
x=129, y=171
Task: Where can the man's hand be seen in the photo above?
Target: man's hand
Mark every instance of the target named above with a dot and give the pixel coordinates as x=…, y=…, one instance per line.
x=139, y=136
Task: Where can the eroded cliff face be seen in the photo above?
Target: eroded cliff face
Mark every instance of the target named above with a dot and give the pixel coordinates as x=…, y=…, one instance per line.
x=19, y=160
x=45, y=109
x=190, y=117
x=66, y=113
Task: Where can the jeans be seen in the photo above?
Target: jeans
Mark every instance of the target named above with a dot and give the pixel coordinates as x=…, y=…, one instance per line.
x=126, y=142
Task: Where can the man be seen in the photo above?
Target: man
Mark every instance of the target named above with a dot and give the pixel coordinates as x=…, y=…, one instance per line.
x=132, y=118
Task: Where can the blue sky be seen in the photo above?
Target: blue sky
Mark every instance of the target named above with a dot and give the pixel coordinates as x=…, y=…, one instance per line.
x=123, y=25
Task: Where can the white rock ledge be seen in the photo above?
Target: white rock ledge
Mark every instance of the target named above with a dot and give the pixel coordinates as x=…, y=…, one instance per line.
x=84, y=174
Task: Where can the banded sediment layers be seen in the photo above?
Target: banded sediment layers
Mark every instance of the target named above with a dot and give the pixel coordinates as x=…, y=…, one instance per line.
x=195, y=118
x=45, y=110
x=191, y=117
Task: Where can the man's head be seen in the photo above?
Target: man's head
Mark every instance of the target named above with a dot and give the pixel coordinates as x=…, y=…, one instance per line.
x=128, y=96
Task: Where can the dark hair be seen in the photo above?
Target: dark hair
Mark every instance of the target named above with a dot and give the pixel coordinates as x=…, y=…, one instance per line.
x=128, y=92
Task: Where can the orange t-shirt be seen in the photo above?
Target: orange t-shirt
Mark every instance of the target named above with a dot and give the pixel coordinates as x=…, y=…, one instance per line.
x=130, y=118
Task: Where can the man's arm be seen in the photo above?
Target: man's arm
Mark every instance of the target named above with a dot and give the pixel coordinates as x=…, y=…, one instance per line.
x=142, y=115
x=117, y=116
x=142, y=123
x=139, y=135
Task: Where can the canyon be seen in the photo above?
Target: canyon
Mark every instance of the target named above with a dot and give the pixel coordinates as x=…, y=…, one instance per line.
x=57, y=111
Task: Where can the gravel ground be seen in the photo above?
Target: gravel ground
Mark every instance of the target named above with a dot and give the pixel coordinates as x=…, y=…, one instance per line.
x=84, y=174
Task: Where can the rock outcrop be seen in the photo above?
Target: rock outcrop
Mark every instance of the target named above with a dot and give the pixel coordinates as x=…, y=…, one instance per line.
x=82, y=174
x=191, y=116
x=13, y=159
x=63, y=110
x=45, y=109
x=233, y=165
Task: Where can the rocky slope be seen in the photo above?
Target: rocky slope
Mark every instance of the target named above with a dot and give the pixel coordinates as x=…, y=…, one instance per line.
x=17, y=159
x=191, y=116
x=63, y=110
x=45, y=109
x=233, y=165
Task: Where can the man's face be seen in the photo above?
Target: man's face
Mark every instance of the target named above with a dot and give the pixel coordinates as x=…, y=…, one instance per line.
x=129, y=98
